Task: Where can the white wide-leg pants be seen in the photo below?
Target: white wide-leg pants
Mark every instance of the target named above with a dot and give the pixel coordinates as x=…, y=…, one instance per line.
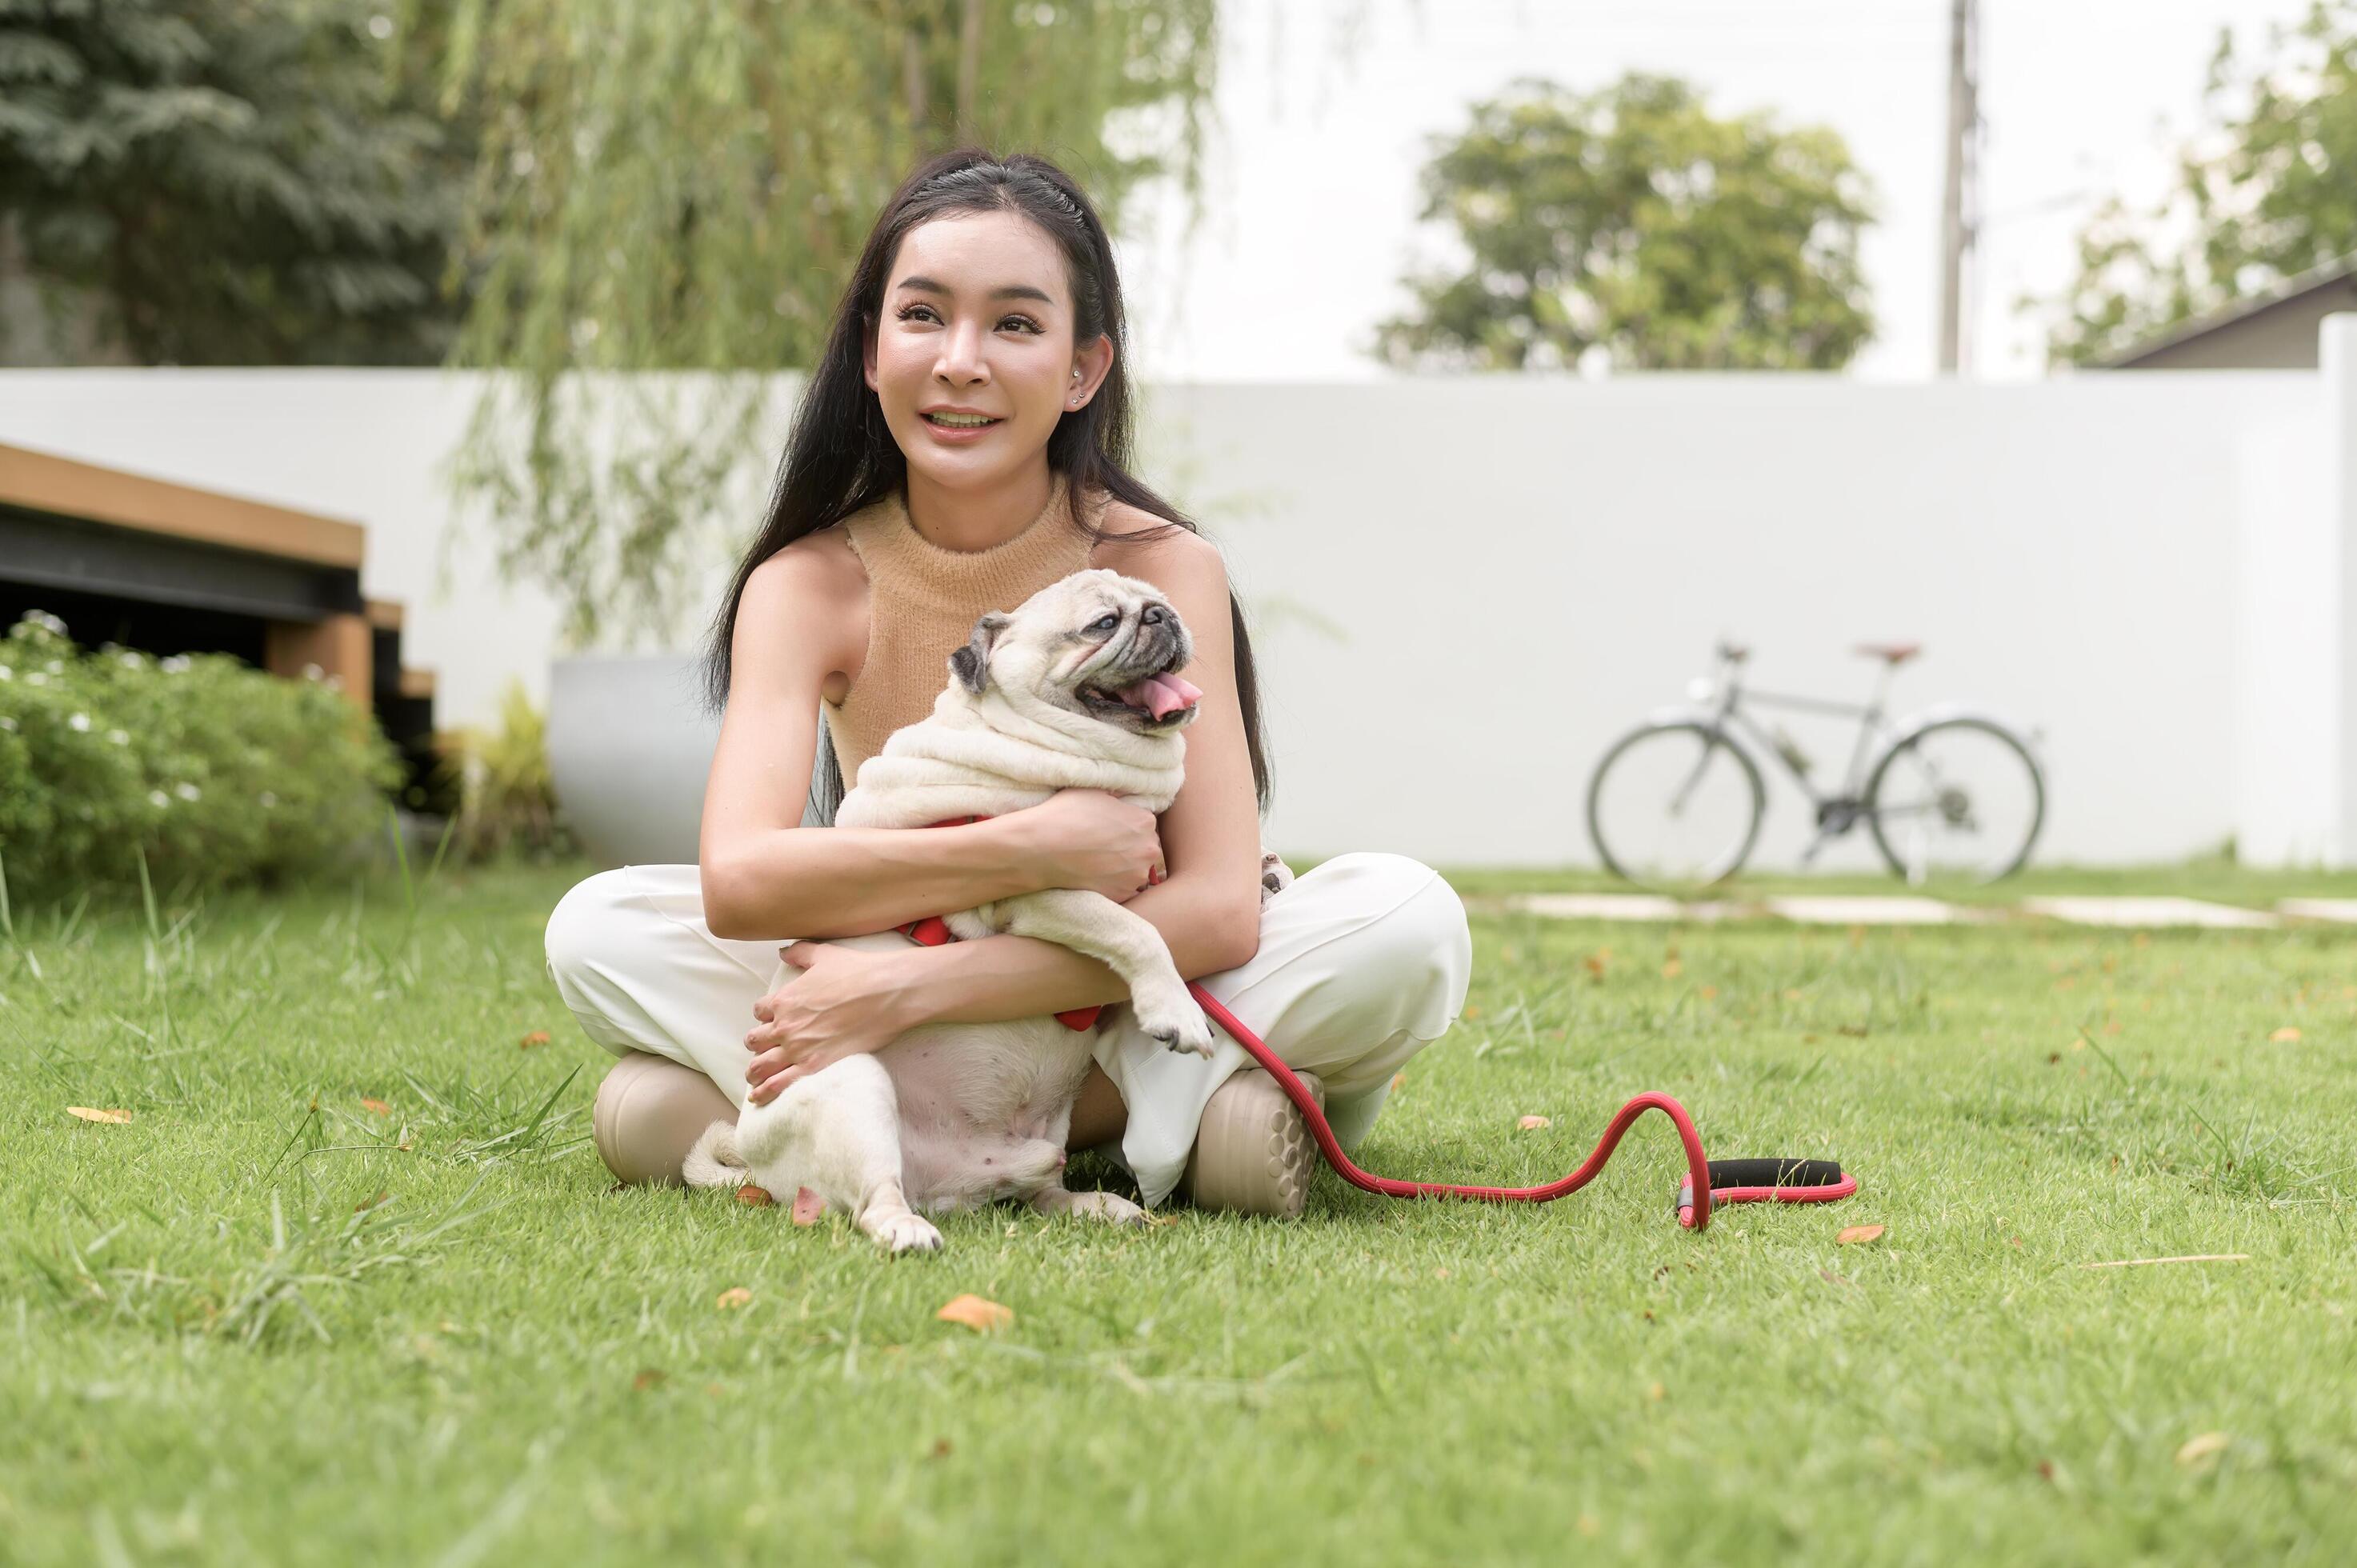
x=1363, y=960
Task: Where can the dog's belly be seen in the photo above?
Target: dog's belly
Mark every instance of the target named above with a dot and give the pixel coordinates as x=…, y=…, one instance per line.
x=985, y=1108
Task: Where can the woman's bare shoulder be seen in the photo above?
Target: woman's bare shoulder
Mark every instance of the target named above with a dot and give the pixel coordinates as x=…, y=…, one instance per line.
x=822, y=577
x=1142, y=540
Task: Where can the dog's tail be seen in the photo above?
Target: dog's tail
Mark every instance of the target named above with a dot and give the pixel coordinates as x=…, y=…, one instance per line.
x=714, y=1161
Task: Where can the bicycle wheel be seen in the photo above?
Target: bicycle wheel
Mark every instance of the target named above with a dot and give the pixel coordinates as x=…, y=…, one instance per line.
x=1674, y=805
x=1959, y=798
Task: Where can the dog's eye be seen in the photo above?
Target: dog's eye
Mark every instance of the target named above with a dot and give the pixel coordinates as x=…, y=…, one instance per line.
x=1106, y=623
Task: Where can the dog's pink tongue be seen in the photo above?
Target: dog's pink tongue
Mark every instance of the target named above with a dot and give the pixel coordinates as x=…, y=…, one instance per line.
x=1161, y=695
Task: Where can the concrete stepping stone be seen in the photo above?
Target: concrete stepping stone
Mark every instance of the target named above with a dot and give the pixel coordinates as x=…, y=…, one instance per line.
x=1872, y=911
x=2342, y=909
x=2147, y=912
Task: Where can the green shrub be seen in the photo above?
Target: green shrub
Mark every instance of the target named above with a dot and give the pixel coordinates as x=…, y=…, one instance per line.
x=216, y=772
x=507, y=802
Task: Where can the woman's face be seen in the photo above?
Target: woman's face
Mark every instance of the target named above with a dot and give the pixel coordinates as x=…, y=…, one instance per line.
x=978, y=316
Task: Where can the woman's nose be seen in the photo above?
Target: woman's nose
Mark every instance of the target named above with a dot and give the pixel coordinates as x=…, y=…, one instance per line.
x=962, y=353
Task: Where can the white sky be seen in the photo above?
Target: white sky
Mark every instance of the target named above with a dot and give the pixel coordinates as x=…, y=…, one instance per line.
x=1311, y=181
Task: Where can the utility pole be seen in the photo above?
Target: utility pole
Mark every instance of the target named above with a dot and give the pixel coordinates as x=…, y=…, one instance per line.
x=1957, y=211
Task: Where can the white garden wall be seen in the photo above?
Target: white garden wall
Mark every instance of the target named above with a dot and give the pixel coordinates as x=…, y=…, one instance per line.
x=1462, y=589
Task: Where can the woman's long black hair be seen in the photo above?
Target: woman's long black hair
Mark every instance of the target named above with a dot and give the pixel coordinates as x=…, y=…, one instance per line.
x=840, y=455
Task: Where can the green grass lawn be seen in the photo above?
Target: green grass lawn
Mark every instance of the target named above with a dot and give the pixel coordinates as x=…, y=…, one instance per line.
x=262, y=1322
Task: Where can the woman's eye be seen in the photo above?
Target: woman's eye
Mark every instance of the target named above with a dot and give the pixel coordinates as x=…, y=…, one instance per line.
x=909, y=313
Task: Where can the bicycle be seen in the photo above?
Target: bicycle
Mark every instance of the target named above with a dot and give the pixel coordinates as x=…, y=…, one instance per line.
x=1946, y=782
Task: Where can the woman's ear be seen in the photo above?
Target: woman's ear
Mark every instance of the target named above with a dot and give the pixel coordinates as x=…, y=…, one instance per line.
x=971, y=664
x=1095, y=362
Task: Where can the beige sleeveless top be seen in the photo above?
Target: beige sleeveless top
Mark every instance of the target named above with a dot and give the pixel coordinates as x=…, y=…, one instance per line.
x=922, y=602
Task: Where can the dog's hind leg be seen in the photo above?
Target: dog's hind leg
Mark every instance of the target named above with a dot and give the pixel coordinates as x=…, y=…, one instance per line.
x=713, y=1161
x=838, y=1133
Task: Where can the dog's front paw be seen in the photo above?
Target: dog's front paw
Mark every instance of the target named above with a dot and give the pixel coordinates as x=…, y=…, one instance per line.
x=1180, y=1026
x=906, y=1233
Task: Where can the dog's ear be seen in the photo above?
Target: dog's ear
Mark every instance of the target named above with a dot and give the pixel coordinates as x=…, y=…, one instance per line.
x=971, y=664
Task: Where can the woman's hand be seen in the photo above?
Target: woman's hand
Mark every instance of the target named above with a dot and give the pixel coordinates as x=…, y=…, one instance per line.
x=844, y=1001
x=1094, y=840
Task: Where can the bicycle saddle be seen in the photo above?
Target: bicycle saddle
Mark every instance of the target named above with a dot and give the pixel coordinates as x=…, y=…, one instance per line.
x=1892, y=653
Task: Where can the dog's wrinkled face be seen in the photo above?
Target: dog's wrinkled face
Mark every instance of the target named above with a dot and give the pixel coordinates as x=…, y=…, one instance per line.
x=1095, y=643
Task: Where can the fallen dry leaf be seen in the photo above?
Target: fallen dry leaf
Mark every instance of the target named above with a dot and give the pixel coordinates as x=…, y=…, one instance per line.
x=753, y=1196
x=982, y=1317
x=90, y=1114
x=1398, y=1078
x=1672, y=968
x=807, y=1207
x=1708, y=993
x=649, y=1378
x=1532, y=1124
x=376, y=1106
x=371, y=1202
x=940, y=1448
x=2286, y=1036
x=1594, y=964
x=734, y=1296
x=537, y=1037
x=1857, y=1233
x=1656, y=1392
x=2206, y=1446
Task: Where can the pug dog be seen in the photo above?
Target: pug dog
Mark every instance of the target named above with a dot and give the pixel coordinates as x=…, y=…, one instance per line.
x=1076, y=688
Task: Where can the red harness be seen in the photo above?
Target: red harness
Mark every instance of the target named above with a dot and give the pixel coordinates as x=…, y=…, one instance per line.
x=1725, y=1181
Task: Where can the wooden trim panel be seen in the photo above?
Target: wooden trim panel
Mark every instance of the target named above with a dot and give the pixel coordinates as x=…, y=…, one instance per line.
x=42, y=481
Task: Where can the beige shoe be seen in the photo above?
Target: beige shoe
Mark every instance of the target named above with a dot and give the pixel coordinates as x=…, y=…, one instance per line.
x=1254, y=1154
x=650, y=1112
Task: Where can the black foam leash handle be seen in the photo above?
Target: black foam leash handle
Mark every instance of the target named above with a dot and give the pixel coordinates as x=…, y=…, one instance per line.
x=1775, y=1173
x=1766, y=1181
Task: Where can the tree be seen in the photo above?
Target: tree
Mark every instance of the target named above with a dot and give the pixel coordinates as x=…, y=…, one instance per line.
x=224, y=182
x=1633, y=227
x=2271, y=194
x=682, y=186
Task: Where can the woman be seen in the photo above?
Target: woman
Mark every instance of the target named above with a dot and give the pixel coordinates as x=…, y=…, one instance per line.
x=964, y=442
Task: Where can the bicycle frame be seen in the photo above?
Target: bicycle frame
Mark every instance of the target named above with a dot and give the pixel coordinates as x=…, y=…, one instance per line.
x=1871, y=729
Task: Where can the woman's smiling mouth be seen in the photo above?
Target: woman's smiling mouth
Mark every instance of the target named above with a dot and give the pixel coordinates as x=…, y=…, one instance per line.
x=945, y=420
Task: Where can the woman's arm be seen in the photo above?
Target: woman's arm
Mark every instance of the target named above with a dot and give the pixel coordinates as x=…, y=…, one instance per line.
x=763, y=873
x=994, y=978
x=1208, y=908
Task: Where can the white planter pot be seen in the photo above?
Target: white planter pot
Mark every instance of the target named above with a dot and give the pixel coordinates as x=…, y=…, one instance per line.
x=629, y=745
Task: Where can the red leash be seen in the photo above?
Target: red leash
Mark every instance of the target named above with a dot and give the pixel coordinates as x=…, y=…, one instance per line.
x=1718, y=1182
x=1786, y=1181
